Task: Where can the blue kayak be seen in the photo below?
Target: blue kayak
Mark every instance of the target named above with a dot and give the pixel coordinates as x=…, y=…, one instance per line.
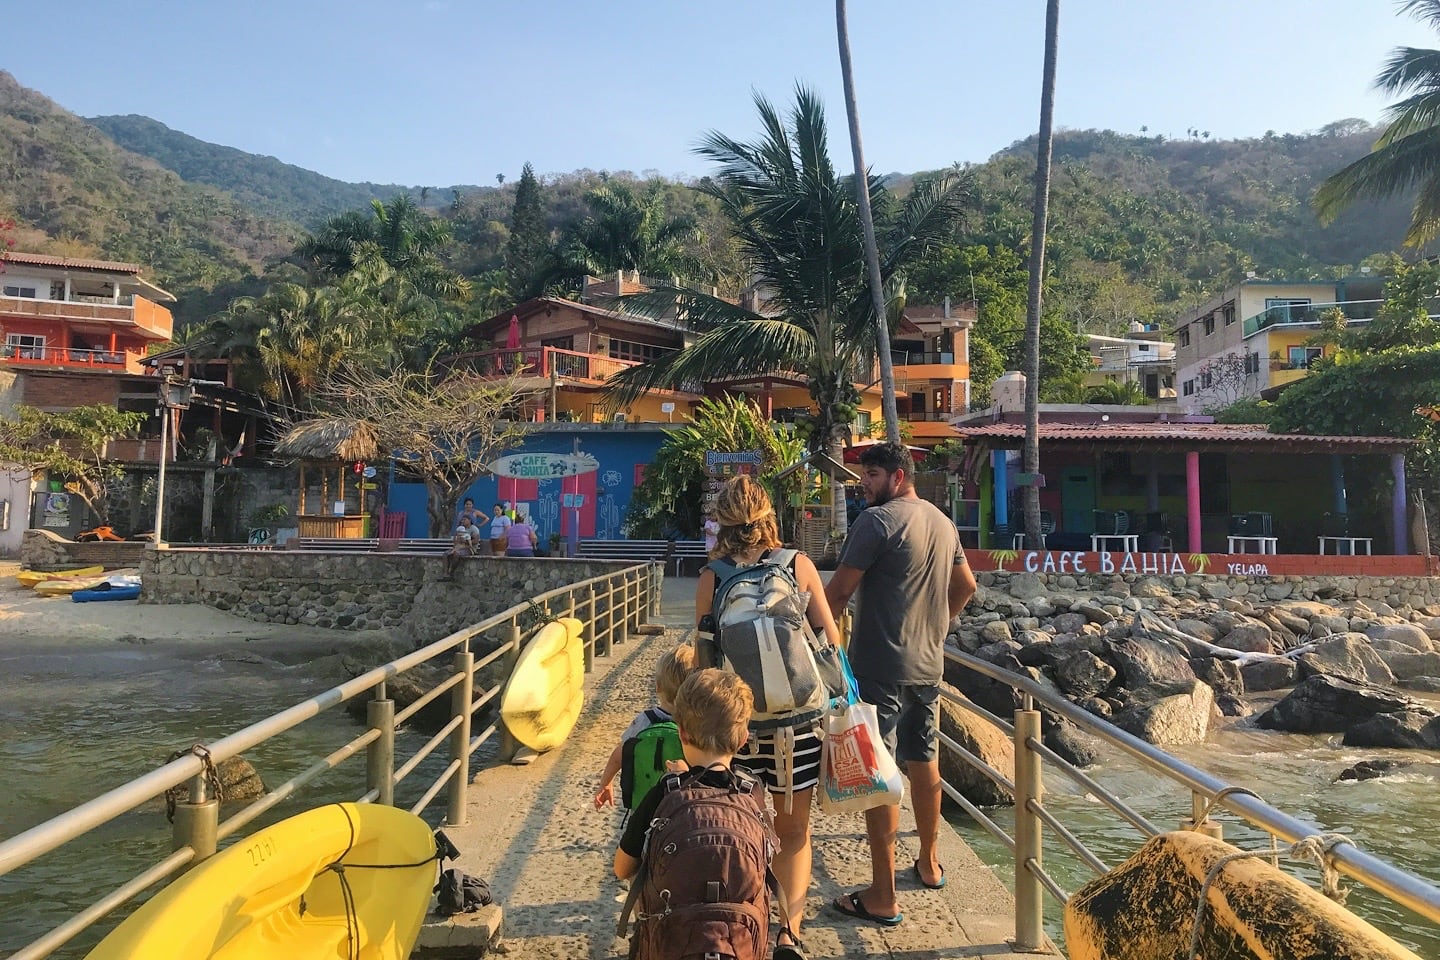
x=106, y=591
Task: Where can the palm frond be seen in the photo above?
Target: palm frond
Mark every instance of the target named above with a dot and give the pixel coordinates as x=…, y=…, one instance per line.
x=748, y=347
x=688, y=308
x=1426, y=11
x=1410, y=69
x=1389, y=170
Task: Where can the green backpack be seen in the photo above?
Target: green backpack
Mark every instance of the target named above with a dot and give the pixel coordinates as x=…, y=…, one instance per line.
x=643, y=757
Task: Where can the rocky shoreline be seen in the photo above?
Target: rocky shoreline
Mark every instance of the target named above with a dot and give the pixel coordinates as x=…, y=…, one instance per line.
x=1161, y=657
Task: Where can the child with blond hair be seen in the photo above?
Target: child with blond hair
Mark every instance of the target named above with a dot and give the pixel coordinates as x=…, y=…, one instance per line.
x=674, y=666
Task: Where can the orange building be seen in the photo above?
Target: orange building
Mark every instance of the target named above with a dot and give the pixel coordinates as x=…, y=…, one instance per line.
x=62, y=313
x=567, y=349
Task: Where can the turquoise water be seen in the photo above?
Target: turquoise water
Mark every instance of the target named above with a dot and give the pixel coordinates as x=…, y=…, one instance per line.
x=1391, y=817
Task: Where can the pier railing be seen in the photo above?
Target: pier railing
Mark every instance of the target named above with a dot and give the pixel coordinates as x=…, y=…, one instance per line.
x=1208, y=794
x=612, y=606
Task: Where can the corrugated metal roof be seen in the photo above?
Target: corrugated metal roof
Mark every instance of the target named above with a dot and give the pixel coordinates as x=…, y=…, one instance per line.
x=71, y=263
x=1180, y=435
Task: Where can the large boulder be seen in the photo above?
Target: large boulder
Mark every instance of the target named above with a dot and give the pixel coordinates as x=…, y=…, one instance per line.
x=1406, y=633
x=1141, y=661
x=1275, y=674
x=1249, y=638
x=1348, y=657
x=1168, y=712
x=1023, y=586
x=1412, y=729
x=1406, y=666
x=1324, y=704
x=239, y=780
x=987, y=742
x=1145, y=909
x=1223, y=675
x=1082, y=674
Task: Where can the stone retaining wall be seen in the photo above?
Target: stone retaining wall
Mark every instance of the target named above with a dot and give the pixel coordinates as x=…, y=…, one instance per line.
x=1415, y=592
x=355, y=591
x=43, y=548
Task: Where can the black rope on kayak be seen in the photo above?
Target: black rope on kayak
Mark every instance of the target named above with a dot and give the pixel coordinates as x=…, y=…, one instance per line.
x=347, y=896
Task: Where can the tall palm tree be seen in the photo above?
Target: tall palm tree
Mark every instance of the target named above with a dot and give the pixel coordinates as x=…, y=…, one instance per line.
x=797, y=224
x=867, y=224
x=1033, y=536
x=1408, y=152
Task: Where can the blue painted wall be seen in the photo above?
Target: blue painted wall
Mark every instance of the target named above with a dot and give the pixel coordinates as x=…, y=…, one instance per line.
x=623, y=455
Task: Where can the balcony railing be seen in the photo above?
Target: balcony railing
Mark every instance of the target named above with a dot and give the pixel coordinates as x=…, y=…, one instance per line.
x=51, y=356
x=1361, y=310
x=542, y=362
x=904, y=358
x=932, y=416
x=149, y=318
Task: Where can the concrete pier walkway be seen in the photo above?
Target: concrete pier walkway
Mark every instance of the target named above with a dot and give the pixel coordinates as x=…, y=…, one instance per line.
x=534, y=834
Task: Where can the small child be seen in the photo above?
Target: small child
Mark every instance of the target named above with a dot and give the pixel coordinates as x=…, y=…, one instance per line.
x=674, y=666
x=715, y=829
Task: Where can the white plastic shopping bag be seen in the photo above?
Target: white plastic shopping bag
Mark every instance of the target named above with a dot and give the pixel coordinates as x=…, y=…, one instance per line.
x=856, y=771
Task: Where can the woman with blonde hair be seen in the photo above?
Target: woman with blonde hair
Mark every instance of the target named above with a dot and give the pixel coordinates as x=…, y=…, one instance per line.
x=787, y=760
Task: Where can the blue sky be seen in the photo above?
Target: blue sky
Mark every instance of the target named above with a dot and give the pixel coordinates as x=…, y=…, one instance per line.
x=436, y=92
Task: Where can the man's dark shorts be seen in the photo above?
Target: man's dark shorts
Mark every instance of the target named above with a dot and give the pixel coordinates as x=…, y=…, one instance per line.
x=909, y=716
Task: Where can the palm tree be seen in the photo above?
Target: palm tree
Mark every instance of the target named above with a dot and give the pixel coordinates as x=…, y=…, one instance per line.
x=399, y=232
x=1408, y=152
x=1033, y=535
x=628, y=229
x=867, y=224
x=797, y=224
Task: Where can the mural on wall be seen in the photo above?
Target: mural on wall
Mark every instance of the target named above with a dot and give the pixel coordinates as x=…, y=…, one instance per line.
x=556, y=483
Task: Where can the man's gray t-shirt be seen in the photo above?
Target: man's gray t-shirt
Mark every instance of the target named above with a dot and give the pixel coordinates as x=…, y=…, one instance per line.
x=906, y=549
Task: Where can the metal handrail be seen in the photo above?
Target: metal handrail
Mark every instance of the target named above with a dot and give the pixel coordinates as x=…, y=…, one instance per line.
x=627, y=594
x=1207, y=792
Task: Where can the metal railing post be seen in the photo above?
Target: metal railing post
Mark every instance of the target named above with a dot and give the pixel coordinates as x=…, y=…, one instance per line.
x=509, y=746
x=657, y=580
x=197, y=821
x=593, y=647
x=461, y=698
x=1029, y=893
x=380, y=755
x=609, y=613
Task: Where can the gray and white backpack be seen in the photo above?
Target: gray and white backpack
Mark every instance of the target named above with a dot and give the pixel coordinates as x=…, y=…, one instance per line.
x=762, y=635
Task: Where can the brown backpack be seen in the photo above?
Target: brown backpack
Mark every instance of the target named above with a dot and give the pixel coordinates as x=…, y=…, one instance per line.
x=704, y=886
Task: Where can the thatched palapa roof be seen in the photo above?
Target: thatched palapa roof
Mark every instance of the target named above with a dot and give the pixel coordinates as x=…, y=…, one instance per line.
x=335, y=439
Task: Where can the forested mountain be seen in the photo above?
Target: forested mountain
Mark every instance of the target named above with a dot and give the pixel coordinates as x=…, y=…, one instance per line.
x=1141, y=226
x=73, y=191
x=269, y=186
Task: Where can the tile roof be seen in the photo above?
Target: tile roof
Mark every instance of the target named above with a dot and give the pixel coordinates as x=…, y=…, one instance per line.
x=72, y=263
x=1231, y=436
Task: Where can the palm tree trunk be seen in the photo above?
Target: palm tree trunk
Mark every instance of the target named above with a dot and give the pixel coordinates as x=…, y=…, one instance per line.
x=1037, y=277
x=839, y=518
x=867, y=225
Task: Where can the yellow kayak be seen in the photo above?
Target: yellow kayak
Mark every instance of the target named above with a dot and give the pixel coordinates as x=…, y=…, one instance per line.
x=65, y=586
x=29, y=578
x=275, y=896
x=545, y=693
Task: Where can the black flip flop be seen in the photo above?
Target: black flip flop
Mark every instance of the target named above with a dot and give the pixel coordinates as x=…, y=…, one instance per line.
x=856, y=909
x=789, y=951
x=929, y=886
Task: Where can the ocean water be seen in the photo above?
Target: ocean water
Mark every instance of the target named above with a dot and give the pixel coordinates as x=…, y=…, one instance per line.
x=79, y=719
x=1392, y=817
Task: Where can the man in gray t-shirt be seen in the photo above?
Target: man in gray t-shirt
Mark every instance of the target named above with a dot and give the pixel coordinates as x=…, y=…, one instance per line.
x=904, y=562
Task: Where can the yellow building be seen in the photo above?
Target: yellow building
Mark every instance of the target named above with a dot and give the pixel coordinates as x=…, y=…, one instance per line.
x=1254, y=337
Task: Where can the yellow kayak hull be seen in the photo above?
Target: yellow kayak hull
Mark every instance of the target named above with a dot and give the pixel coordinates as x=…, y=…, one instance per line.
x=272, y=895
x=546, y=691
x=68, y=585
x=29, y=578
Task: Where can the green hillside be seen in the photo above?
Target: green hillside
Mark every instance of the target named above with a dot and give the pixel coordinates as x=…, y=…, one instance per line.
x=267, y=185
x=73, y=191
x=1142, y=226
